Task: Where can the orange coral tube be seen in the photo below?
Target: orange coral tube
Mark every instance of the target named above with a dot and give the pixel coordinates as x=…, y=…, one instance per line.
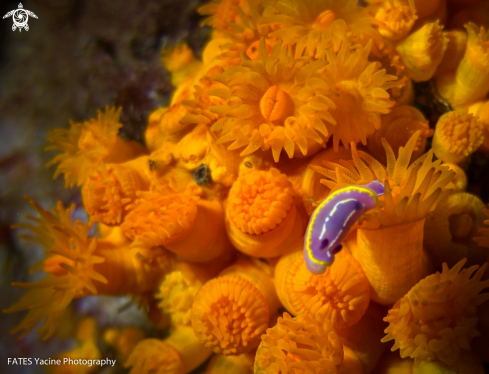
x=423, y=50
x=341, y=295
x=132, y=271
x=450, y=228
x=470, y=82
x=109, y=188
x=230, y=312
x=393, y=259
x=207, y=238
x=457, y=135
x=180, y=353
x=241, y=364
x=261, y=215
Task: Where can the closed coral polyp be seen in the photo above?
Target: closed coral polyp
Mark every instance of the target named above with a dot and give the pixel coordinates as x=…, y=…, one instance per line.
x=274, y=104
x=108, y=190
x=259, y=201
x=341, y=295
x=176, y=294
x=159, y=216
x=396, y=18
x=84, y=145
x=229, y=314
x=457, y=135
x=437, y=318
x=299, y=345
x=155, y=356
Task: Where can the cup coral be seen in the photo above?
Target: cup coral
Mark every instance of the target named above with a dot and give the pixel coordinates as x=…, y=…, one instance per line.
x=450, y=228
x=314, y=26
x=397, y=128
x=457, y=135
x=231, y=311
x=470, y=81
x=205, y=227
x=341, y=295
x=266, y=105
x=299, y=345
x=159, y=216
x=437, y=318
x=71, y=275
x=396, y=18
x=86, y=144
x=423, y=50
x=261, y=214
x=179, y=353
x=110, y=188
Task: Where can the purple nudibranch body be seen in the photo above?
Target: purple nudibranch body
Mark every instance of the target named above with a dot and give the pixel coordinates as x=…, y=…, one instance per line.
x=332, y=220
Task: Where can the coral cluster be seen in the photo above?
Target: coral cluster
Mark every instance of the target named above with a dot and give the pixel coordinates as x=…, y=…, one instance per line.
x=205, y=226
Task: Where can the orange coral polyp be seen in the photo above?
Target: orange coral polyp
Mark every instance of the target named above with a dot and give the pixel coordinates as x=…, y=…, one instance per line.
x=315, y=26
x=158, y=217
x=341, y=295
x=437, y=318
x=259, y=201
x=229, y=314
x=457, y=135
x=321, y=96
x=84, y=145
x=299, y=345
x=72, y=266
x=396, y=18
x=411, y=191
x=155, y=356
x=107, y=192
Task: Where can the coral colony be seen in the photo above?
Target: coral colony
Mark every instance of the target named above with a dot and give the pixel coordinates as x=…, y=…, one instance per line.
x=300, y=113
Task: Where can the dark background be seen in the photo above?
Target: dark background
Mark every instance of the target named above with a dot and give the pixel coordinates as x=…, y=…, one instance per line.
x=77, y=57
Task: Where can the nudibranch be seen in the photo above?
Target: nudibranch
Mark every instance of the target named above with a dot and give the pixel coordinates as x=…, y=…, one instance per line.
x=333, y=219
